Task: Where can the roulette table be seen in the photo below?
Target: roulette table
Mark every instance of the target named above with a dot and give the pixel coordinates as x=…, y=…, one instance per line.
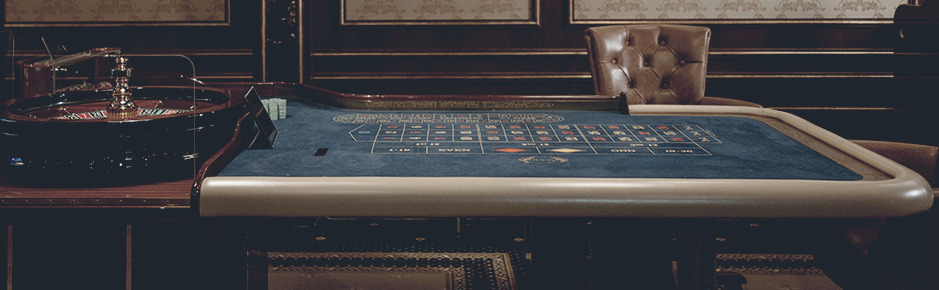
x=349, y=155
x=553, y=159
x=543, y=157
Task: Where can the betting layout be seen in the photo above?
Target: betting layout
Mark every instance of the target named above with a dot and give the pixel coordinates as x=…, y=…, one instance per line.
x=521, y=134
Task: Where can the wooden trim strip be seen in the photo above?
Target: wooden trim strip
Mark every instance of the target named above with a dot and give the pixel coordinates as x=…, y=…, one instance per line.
x=128, y=255
x=570, y=76
x=840, y=51
x=9, y=257
x=508, y=52
x=108, y=206
x=123, y=24
x=186, y=52
x=263, y=40
x=805, y=75
x=301, y=42
x=834, y=108
x=577, y=76
x=227, y=76
x=481, y=76
x=583, y=52
x=248, y=76
x=739, y=21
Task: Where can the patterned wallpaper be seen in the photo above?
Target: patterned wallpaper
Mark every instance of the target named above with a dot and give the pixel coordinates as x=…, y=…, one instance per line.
x=437, y=10
x=121, y=11
x=733, y=9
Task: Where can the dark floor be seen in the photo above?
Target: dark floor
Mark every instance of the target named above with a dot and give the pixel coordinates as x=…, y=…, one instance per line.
x=750, y=255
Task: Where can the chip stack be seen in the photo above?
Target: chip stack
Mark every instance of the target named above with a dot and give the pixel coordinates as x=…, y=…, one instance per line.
x=275, y=107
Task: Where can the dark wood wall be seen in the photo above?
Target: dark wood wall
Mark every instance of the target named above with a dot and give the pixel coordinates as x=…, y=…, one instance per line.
x=122, y=248
x=839, y=75
x=860, y=80
x=221, y=52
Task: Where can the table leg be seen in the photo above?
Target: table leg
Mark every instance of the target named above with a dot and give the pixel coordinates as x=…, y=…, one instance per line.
x=630, y=254
x=696, y=255
x=557, y=253
x=229, y=267
x=7, y=258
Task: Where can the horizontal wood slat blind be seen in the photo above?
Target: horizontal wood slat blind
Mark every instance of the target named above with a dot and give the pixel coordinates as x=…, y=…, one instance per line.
x=834, y=72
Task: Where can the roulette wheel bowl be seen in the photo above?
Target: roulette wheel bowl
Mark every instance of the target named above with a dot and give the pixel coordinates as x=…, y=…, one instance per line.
x=73, y=138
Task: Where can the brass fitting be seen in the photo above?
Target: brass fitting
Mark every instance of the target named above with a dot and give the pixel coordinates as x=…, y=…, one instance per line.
x=122, y=105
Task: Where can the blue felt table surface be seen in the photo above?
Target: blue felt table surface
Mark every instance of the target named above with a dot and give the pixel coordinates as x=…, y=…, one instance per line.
x=734, y=148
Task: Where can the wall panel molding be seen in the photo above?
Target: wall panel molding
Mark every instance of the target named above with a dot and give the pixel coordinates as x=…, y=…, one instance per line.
x=603, y=12
x=72, y=13
x=501, y=52
x=807, y=51
x=572, y=64
x=583, y=52
x=427, y=12
x=577, y=76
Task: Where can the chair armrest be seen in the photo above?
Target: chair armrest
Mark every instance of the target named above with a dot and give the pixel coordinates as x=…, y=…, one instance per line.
x=919, y=158
x=727, y=102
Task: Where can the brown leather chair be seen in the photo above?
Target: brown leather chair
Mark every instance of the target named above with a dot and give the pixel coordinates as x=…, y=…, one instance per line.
x=920, y=158
x=898, y=253
x=652, y=64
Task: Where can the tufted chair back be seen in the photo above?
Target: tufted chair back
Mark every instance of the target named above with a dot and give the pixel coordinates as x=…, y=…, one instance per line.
x=652, y=64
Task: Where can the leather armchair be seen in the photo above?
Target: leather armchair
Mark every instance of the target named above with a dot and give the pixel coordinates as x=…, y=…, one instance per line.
x=919, y=158
x=897, y=253
x=652, y=64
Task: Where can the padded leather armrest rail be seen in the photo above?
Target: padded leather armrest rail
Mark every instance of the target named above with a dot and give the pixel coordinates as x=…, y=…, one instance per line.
x=717, y=101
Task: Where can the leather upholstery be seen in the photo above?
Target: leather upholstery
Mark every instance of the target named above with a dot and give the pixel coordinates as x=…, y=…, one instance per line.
x=897, y=253
x=920, y=158
x=652, y=64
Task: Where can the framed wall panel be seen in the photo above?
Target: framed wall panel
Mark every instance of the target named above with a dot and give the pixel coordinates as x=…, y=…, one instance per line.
x=71, y=13
x=599, y=12
x=436, y=12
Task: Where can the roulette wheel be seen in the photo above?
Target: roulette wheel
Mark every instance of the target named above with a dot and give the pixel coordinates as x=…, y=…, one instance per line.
x=113, y=132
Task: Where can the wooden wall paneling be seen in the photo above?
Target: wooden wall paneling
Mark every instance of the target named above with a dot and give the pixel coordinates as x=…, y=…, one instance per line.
x=917, y=57
x=462, y=86
x=547, y=58
x=85, y=248
x=835, y=72
x=224, y=52
x=802, y=36
x=418, y=53
x=874, y=124
x=506, y=61
x=484, y=72
x=808, y=62
x=6, y=63
x=282, y=37
x=917, y=47
x=466, y=57
x=103, y=249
